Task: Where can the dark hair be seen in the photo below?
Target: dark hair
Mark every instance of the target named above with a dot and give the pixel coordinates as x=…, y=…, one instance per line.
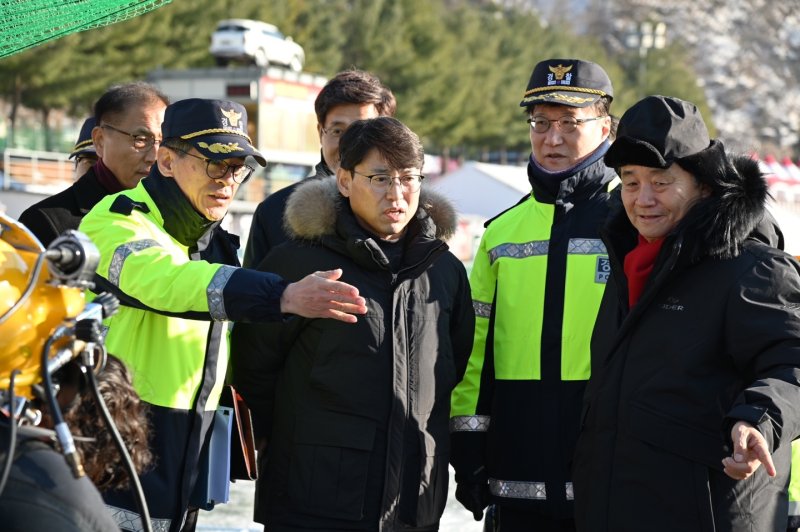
x=399, y=146
x=119, y=98
x=101, y=460
x=354, y=86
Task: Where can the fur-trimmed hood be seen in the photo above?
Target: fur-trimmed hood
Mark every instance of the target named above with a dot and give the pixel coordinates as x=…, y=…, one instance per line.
x=718, y=225
x=313, y=208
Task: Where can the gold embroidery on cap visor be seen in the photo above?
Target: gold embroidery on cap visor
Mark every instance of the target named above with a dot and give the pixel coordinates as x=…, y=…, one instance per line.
x=82, y=144
x=219, y=147
x=565, y=88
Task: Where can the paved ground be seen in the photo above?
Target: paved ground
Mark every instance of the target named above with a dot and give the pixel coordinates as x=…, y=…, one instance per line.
x=237, y=515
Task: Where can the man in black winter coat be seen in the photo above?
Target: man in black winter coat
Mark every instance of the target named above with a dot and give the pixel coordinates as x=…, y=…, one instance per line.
x=349, y=96
x=126, y=136
x=353, y=421
x=691, y=408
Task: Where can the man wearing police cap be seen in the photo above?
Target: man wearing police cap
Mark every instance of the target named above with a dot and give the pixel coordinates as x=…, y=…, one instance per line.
x=537, y=281
x=176, y=272
x=84, y=152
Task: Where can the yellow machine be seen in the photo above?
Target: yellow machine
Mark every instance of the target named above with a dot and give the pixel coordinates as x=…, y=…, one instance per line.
x=35, y=300
x=45, y=323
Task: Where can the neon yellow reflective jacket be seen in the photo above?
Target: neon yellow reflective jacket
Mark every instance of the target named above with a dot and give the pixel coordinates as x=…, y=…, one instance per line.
x=165, y=354
x=537, y=281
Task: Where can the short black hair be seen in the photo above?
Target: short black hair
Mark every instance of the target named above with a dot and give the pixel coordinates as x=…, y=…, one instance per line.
x=354, y=86
x=397, y=144
x=119, y=98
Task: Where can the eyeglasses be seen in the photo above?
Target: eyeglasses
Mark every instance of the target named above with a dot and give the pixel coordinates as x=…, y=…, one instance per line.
x=382, y=182
x=334, y=132
x=140, y=142
x=566, y=124
x=219, y=169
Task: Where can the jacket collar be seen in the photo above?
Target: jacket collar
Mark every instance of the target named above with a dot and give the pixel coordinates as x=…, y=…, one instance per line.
x=88, y=191
x=181, y=220
x=577, y=182
x=317, y=211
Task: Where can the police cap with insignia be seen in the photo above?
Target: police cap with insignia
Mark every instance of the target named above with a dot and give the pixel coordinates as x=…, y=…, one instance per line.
x=216, y=128
x=84, y=143
x=567, y=82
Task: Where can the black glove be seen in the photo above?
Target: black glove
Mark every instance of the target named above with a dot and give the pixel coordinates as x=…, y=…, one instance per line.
x=474, y=497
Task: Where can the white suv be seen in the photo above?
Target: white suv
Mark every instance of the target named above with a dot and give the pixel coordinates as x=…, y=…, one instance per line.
x=255, y=41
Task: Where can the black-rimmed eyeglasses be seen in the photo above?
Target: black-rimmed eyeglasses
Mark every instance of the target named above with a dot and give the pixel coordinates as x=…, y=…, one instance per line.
x=382, y=182
x=219, y=169
x=140, y=142
x=566, y=124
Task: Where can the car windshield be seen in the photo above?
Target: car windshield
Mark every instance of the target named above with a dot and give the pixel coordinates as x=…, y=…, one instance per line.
x=231, y=28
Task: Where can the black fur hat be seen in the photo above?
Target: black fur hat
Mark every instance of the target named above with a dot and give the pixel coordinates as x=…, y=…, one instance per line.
x=656, y=132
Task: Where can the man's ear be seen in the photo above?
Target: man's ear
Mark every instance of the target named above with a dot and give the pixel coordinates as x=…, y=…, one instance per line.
x=344, y=180
x=165, y=158
x=607, y=126
x=98, y=140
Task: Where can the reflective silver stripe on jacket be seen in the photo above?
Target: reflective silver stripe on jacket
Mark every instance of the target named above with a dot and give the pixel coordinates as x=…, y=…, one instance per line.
x=482, y=310
x=516, y=489
x=586, y=246
x=216, y=303
x=122, y=253
x=128, y=520
x=794, y=507
x=519, y=251
x=469, y=423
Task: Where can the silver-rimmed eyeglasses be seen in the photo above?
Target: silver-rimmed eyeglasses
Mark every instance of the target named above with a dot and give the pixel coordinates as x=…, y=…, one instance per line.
x=140, y=142
x=566, y=124
x=382, y=182
x=219, y=169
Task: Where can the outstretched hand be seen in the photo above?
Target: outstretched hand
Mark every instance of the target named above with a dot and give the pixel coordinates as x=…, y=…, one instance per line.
x=750, y=451
x=320, y=295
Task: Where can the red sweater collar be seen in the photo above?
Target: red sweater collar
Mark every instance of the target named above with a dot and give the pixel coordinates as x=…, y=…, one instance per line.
x=638, y=266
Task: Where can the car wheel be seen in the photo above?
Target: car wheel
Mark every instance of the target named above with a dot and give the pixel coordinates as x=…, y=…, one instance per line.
x=260, y=58
x=295, y=64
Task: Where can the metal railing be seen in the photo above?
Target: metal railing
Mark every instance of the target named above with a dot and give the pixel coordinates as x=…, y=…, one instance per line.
x=35, y=170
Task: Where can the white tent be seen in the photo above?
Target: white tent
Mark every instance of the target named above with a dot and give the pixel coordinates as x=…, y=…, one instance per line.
x=788, y=218
x=484, y=189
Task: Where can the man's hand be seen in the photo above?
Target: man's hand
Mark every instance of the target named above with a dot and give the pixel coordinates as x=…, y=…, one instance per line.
x=320, y=295
x=474, y=497
x=749, y=452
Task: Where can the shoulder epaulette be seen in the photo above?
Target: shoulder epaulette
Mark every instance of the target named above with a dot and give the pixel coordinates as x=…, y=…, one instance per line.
x=124, y=205
x=498, y=215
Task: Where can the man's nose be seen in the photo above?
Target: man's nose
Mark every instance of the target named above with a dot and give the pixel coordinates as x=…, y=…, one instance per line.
x=646, y=195
x=395, y=189
x=553, y=136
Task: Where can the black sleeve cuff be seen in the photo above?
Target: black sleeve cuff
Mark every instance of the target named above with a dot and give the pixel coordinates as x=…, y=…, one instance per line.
x=253, y=296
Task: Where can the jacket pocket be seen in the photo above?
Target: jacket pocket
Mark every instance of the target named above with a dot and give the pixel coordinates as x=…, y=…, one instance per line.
x=678, y=437
x=329, y=465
